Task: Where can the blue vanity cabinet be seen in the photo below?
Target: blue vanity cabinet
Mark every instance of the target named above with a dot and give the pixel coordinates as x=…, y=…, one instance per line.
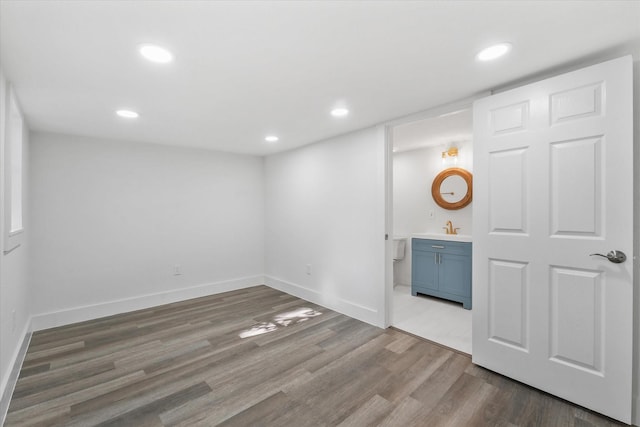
x=442, y=269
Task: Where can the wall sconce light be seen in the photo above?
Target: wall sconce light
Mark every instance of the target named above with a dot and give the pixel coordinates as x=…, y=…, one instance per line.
x=450, y=157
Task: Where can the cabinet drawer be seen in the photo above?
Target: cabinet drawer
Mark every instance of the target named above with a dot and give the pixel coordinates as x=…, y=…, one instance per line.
x=444, y=246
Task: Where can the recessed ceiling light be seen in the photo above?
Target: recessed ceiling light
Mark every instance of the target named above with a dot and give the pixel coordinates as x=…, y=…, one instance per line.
x=493, y=52
x=339, y=112
x=156, y=53
x=128, y=114
x=271, y=138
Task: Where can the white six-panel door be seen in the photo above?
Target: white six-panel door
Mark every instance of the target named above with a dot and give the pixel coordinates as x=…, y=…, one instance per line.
x=553, y=183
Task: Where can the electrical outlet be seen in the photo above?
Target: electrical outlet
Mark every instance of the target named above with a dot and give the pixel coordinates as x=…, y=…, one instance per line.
x=431, y=214
x=309, y=269
x=177, y=270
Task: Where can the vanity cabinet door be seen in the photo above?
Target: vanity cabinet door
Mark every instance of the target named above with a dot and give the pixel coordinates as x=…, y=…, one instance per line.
x=454, y=278
x=424, y=271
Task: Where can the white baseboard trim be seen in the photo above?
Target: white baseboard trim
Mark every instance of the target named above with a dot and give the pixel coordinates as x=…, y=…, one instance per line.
x=10, y=384
x=95, y=311
x=334, y=303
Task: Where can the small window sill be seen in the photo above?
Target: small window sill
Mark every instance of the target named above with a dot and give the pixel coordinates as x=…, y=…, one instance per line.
x=16, y=232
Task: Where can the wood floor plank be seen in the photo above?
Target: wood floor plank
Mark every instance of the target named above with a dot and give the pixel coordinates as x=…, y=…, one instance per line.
x=236, y=402
x=35, y=369
x=47, y=382
x=437, y=384
x=461, y=405
x=275, y=410
x=148, y=414
x=370, y=413
x=404, y=413
x=403, y=343
x=406, y=381
x=262, y=413
x=193, y=363
x=61, y=403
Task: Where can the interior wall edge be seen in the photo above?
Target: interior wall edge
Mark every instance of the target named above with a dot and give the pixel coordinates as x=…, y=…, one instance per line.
x=348, y=308
x=95, y=311
x=636, y=241
x=6, y=391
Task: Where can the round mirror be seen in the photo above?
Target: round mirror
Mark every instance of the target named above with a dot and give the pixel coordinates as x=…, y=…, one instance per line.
x=452, y=189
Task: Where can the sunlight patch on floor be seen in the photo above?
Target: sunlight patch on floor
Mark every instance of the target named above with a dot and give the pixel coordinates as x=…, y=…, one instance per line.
x=285, y=319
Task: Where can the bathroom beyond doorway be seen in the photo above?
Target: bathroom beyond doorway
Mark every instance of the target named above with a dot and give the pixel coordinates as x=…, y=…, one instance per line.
x=417, y=159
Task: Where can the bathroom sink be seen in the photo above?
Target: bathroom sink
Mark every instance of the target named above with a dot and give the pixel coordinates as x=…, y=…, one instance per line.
x=442, y=236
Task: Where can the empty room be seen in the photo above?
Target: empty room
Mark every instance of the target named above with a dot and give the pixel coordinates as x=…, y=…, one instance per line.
x=319, y=213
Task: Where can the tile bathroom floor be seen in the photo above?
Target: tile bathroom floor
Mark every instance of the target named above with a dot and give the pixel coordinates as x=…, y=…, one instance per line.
x=435, y=319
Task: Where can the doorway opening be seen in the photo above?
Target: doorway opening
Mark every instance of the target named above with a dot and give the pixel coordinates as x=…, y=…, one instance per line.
x=421, y=150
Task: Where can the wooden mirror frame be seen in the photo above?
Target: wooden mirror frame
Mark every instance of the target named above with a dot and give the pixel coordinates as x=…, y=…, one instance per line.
x=437, y=182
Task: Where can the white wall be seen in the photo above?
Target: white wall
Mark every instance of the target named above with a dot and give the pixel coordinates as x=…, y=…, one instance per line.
x=413, y=173
x=14, y=285
x=110, y=220
x=325, y=206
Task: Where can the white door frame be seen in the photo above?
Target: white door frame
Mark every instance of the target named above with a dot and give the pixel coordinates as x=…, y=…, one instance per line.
x=388, y=126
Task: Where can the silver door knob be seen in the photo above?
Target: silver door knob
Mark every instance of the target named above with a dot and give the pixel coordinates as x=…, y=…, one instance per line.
x=613, y=256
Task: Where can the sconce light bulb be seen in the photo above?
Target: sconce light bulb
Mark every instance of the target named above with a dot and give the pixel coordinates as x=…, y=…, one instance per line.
x=450, y=157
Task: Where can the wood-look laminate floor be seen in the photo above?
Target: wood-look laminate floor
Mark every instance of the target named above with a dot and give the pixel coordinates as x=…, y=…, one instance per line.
x=297, y=364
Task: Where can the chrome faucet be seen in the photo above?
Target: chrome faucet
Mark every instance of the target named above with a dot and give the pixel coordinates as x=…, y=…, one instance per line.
x=449, y=228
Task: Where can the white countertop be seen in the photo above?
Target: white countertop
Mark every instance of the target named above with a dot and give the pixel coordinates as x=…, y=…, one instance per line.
x=442, y=236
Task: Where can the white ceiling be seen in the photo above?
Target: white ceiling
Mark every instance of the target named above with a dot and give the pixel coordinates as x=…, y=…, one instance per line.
x=243, y=70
